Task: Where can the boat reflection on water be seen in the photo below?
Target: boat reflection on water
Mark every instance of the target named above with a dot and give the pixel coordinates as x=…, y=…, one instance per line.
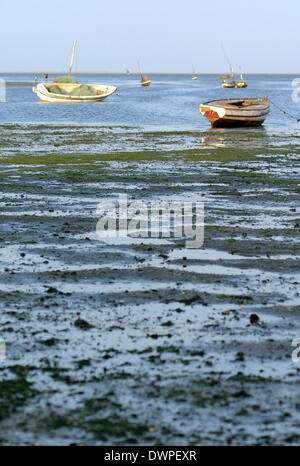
x=212, y=142
x=220, y=137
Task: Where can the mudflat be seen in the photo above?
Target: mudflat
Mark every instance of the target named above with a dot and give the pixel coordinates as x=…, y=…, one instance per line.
x=142, y=341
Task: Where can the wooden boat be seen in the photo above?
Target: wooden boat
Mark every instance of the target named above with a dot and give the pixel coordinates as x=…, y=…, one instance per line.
x=145, y=81
x=241, y=83
x=67, y=89
x=236, y=112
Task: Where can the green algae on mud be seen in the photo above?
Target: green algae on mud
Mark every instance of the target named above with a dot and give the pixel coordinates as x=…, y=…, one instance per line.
x=64, y=159
x=14, y=393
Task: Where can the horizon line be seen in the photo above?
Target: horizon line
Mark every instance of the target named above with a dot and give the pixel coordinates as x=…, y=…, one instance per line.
x=150, y=72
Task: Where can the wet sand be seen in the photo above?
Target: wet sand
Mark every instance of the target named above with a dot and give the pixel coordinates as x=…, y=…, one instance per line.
x=145, y=342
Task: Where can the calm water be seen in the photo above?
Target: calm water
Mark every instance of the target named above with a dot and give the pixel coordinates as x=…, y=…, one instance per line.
x=172, y=101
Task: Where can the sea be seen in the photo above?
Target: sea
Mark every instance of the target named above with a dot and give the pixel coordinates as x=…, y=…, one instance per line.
x=171, y=101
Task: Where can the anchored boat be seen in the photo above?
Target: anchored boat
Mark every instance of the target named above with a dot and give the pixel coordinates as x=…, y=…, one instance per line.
x=194, y=75
x=228, y=81
x=64, y=92
x=228, y=84
x=236, y=112
x=145, y=81
x=66, y=89
x=241, y=83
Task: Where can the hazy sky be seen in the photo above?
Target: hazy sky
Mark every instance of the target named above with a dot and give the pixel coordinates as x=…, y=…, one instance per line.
x=165, y=35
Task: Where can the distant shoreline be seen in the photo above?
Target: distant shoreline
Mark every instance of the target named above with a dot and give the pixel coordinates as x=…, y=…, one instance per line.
x=33, y=73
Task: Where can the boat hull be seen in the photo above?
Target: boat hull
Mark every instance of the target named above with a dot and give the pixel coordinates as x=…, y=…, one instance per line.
x=146, y=83
x=233, y=123
x=102, y=92
x=228, y=85
x=236, y=113
x=241, y=85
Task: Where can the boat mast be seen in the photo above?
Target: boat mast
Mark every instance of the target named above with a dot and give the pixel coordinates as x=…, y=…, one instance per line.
x=232, y=73
x=242, y=79
x=72, y=56
x=229, y=63
x=139, y=67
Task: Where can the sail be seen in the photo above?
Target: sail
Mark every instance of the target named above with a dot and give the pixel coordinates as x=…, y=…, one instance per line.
x=73, y=56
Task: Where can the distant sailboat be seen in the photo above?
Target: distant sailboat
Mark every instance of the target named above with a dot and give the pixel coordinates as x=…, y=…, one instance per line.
x=194, y=76
x=145, y=81
x=128, y=72
x=241, y=83
x=228, y=81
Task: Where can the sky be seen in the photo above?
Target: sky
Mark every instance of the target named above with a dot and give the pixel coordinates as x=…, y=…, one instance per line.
x=164, y=35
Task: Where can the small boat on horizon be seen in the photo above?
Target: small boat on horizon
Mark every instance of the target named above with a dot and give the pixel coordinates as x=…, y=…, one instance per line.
x=144, y=81
x=66, y=89
x=236, y=112
x=194, y=75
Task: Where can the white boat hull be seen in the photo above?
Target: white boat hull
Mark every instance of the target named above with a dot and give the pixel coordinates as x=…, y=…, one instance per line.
x=228, y=85
x=46, y=96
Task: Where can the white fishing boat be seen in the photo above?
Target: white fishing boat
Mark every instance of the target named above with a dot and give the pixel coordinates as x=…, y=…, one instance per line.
x=228, y=81
x=228, y=84
x=66, y=92
x=66, y=89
